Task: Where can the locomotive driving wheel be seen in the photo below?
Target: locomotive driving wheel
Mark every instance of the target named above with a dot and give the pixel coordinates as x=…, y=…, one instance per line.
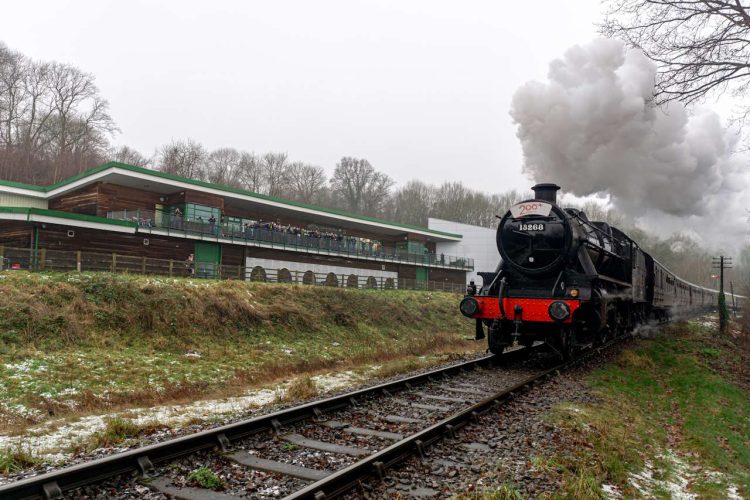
x=567, y=342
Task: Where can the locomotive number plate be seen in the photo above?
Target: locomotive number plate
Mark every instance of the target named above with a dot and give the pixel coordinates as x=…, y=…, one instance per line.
x=531, y=227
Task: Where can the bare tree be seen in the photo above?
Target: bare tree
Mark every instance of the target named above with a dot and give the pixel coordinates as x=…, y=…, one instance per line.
x=184, y=158
x=700, y=47
x=413, y=203
x=223, y=167
x=79, y=112
x=306, y=182
x=251, y=172
x=358, y=187
x=128, y=155
x=275, y=173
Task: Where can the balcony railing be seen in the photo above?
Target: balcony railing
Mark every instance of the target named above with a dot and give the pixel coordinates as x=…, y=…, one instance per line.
x=262, y=234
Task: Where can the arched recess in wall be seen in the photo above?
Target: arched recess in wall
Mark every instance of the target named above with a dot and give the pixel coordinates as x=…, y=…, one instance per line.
x=308, y=278
x=331, y=280
x=284, y=276
x=372, y=282
x=352, y=281
x=389, y=284
x=258, y=274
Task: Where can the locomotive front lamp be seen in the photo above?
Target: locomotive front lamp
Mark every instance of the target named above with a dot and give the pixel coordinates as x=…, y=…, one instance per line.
x=469, y=307
x=559, y=311
x=574, y=292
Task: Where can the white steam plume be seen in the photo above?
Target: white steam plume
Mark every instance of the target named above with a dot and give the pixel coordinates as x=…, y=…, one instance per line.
x=593, y=129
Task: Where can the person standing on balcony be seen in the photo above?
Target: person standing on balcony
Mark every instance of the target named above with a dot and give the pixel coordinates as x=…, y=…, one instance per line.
x=212, y=224
x=178, y=218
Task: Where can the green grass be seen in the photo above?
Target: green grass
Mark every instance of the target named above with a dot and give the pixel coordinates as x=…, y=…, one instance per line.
x=16, y=459
x=77, y=343
x=664, y=394
x=206, y=478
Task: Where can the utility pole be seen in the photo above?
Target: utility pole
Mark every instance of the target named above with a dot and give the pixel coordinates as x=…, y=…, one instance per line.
x=734, y=303
x=722, y=263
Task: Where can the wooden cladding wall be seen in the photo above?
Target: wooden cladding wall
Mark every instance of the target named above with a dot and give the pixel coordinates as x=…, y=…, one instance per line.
x=91, y=240
x=114, y=197
x=232, y=255
x=209, y=200
x=81, y=201
x=15, y=234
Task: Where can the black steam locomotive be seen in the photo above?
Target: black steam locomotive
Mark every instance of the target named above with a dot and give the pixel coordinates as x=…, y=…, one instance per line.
x=571, y=282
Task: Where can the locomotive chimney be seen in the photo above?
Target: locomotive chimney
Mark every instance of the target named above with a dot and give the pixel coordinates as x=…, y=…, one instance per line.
x=546, y=192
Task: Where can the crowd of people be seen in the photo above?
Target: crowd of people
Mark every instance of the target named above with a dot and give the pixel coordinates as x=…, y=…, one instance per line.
x=312, y=236
x=258, y=229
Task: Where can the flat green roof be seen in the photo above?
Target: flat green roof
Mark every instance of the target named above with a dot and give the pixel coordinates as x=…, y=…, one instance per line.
x=66, y=215
x=221, y=187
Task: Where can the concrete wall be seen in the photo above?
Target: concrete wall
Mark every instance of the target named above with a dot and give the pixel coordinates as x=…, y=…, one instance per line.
x=478, y=243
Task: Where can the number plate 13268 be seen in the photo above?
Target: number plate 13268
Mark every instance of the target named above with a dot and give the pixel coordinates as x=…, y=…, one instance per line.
x=532, y=227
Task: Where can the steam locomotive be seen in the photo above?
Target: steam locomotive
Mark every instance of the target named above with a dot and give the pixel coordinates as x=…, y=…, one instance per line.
x=571, y=282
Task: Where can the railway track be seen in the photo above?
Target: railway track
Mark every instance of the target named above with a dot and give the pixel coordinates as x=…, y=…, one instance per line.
x=320, y=449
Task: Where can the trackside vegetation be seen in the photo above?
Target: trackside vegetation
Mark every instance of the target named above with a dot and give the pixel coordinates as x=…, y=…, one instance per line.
x=72, y=344
x=671, y=414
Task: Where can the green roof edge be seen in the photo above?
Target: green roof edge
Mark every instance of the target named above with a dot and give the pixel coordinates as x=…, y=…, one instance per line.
x=67, y=215
x=229, y=189
x=21, y=185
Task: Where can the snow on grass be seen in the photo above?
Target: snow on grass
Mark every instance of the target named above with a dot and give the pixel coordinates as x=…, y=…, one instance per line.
x=52, y=440
x=677, y=480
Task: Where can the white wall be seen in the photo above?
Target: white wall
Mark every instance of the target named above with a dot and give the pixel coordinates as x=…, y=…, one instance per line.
x=19, y=200
x=478, y=243
x=322, y=269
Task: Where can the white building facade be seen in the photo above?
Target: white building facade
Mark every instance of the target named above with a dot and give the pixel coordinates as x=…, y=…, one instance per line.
x=477, y=243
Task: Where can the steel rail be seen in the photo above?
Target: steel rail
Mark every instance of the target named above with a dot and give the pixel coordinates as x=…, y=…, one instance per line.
x=349, y=477
x=51, y=485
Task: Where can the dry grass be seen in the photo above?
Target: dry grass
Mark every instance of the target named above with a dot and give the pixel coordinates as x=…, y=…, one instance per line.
x=116, y=431
x=300, y=388
x=113, y=342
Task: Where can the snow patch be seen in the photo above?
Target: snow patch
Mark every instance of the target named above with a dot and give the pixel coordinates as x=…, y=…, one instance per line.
x=677, y=482
x=51, y=440
x=611, y=491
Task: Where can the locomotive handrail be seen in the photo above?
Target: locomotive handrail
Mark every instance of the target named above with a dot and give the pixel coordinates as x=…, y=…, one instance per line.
x=592, y=226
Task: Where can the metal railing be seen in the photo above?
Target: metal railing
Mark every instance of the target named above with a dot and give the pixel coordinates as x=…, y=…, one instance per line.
x=44, y=260
x=262, y=234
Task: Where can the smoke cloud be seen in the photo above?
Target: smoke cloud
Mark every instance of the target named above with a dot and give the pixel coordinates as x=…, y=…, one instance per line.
x=593, y=129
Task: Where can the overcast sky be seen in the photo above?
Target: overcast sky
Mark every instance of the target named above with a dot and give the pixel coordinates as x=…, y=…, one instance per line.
x=420, y=88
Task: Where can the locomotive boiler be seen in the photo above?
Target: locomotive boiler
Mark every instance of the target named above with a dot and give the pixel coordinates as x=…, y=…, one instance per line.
x=569, y=281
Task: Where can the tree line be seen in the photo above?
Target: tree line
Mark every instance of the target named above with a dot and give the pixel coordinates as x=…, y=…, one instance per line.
x=53, y=120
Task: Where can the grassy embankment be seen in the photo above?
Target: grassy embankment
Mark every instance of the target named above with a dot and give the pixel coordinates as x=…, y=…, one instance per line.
x=79, y=343
x=676, y=406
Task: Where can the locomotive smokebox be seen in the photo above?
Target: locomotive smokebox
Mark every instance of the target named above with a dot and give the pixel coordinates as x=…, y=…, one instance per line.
x=546, y=192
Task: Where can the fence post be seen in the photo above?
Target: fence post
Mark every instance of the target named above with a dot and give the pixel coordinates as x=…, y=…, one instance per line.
x=171, y=266
x=78, y=261
x=114, y=261
x=143, y=266
x=42, y=258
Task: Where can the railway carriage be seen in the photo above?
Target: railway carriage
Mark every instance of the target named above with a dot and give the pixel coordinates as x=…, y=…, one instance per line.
x=571, y=282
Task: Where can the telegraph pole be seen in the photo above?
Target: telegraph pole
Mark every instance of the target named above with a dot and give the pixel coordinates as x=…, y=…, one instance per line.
x=722, y=263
